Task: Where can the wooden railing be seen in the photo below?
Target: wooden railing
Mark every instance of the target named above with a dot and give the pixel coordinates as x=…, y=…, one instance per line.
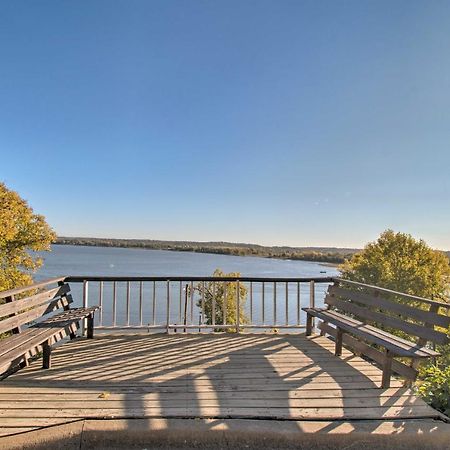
x=179, y=303
x=176, y=303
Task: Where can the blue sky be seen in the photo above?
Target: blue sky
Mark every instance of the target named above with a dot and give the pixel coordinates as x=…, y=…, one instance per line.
x=274, y=122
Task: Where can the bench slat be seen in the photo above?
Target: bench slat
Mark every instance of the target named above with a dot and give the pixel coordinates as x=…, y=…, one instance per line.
x=20, y=290
x=36, y=330
x=32, y=314
x=397, y=340
x=357, y=345
x=12, y=349
x=409, y=328
x=391, y=305
x=372, y=334
x=35, y=300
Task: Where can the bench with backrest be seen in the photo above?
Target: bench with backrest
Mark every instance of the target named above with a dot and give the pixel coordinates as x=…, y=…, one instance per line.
x=33, y=318
x=362, y=314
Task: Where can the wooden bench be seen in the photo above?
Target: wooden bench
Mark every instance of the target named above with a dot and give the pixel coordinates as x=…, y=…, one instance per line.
x=32, y=324
x=362, y=313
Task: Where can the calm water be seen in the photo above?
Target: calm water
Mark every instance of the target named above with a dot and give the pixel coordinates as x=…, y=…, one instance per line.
x=77, y=260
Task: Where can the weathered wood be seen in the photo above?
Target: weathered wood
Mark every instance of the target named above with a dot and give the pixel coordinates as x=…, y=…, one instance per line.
x=90, y=326
x=33, y=301
x=12, y=393
x=394, y=412
x=30, y=315
x=46, y=355
x=309, y=324
x=430, y=317
x=268, y=376
x=410, y=328
x=20, y=290
x=387, y=370
x=9, y=302
x=338, y=280
x=401, y=347
x=338, y=349
x=177, y=400
x=374, y=354
x=16, y=348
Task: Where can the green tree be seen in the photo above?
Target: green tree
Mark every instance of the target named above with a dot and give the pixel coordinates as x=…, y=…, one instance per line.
x=223, y=295
x=22, y=232
x=399, y=262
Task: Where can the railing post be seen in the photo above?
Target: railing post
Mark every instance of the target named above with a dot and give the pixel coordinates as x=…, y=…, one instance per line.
x=192, y=302
x=203, y=304
x=141, y=294
x=168, y=307
x=154, y=303
x=100, y=302
x=85, y=303
x=114, y=303
x=287, y=303
x=214, y=304
x=251, y=302
x=312, y=300
x=128, y=302
x=274, y=303
x=224, y=306
x=238, y=307
x=263, y=307
x=181, y=303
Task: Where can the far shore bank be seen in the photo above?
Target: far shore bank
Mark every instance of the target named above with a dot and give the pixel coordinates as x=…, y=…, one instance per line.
x=330, y=257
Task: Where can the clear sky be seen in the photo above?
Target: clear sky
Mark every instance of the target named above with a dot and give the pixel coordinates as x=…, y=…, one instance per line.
x=273, y=122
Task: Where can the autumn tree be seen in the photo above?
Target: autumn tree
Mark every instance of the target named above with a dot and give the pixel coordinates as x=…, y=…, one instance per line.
x=22, y=233
x=399, y=262
x=221, y=296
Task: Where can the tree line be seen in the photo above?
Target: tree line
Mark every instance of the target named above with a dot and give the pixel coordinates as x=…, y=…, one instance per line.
x=319, y=254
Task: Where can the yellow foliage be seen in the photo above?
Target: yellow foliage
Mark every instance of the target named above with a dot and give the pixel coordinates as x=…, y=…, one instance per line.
x=22, y=232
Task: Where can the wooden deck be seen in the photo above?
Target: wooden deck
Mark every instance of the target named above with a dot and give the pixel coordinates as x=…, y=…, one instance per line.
x=287, y=377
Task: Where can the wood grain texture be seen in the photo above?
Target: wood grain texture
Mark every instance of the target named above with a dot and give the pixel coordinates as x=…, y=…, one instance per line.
x=429, y=317
x=288, y=377
x=412, y=329
x=400, y=346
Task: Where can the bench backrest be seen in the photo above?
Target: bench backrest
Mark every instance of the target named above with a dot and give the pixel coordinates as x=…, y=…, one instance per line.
x=24, y=305
x=378, y=307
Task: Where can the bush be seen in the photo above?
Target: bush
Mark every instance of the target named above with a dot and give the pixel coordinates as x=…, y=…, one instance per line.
x=434, y=387
x=223, y=294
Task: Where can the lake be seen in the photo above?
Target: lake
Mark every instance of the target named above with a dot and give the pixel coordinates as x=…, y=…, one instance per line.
x=110, y=261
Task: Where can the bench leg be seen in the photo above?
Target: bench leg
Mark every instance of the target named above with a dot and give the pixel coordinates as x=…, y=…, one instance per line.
x=47, y=355
x=338, y=343
x=387, y=370
x=309, y=324
x=323, y=332
x=90, y=326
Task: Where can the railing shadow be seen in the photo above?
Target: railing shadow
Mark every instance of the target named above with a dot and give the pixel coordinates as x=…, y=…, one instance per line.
x=214, y=378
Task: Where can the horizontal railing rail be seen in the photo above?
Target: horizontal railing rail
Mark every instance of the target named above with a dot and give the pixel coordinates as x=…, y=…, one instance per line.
x=189, y=303
x=183, y=303
x=78, y=279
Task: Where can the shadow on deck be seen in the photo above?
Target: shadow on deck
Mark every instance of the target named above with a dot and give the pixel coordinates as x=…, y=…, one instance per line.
x=225, y=382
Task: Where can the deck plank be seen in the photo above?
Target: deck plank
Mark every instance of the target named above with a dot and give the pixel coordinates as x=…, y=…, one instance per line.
x=287, y=377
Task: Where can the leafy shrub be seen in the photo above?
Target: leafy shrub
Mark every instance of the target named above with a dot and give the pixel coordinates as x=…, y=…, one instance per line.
x=224, y=296
x=434, y=387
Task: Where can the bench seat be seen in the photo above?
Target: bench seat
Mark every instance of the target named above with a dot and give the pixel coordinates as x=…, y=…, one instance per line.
x=395, y=344
x=16, y=348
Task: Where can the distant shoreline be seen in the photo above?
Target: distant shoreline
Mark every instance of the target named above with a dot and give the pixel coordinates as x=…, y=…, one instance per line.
x=328, y=256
